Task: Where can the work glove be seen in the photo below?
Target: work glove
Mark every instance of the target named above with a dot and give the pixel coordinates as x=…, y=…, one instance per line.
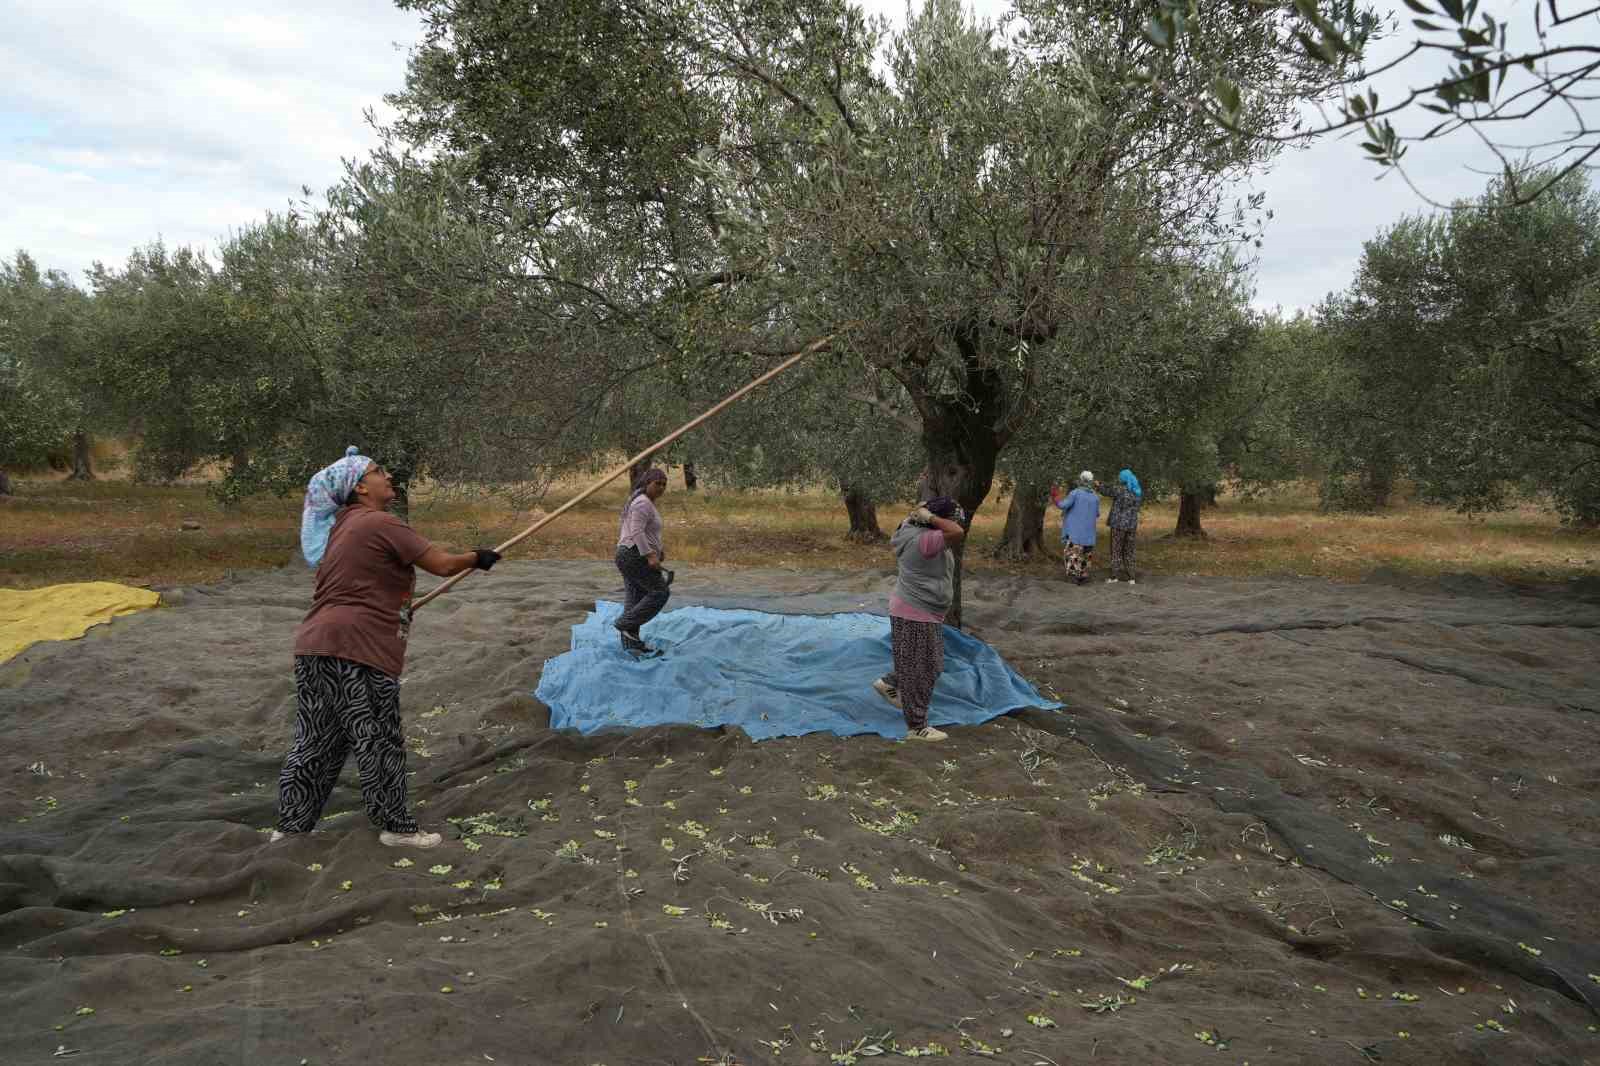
x=921, y=517
x=487, y=557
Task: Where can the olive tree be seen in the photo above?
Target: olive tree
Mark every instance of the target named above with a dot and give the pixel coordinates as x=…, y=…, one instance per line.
x=1467, y=348
x=58, y=390
x=958, y=211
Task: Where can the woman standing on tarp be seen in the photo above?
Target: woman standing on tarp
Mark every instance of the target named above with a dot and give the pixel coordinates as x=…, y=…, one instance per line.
x=922, y=594
x=351, y=647
x=640, y=554
x=1126, y=496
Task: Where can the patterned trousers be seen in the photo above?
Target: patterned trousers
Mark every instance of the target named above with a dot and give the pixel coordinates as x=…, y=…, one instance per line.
x=918, y=649
x=1076, y=558
x=340, y=706
x=1122, y=549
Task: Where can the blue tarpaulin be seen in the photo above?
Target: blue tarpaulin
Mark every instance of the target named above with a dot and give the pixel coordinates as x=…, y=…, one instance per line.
x=772, y=675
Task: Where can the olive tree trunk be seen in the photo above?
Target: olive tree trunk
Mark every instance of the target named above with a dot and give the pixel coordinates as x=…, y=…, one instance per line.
x=863, y=514
x=1189, y=516
x=1024, y=532
x=962, y=449
x=81, y=469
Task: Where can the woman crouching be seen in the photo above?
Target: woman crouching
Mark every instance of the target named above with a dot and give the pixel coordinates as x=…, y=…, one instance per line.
x=917, y=606
x=351, y=647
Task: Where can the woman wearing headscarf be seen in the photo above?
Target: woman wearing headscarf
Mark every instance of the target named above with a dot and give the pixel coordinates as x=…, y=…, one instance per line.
x=1126, y=496
x=350, y=649
x=640, y=555
x=1080, y=510
x=922, y=594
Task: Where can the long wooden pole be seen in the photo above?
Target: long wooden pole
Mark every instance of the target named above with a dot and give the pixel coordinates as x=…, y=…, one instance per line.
x=810, y=349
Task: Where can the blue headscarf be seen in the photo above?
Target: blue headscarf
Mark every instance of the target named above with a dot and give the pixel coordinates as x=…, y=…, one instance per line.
x=326, y=493
x=1132, y=483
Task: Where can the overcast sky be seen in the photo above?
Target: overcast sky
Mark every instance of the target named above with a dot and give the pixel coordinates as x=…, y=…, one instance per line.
x=182, y=120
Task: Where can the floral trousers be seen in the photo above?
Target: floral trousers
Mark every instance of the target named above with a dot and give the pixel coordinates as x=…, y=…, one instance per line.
x=1122, y=548
x=1076, y=557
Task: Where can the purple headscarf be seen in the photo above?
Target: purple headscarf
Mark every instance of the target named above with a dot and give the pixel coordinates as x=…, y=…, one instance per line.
x=326, y=493
x=655, y=473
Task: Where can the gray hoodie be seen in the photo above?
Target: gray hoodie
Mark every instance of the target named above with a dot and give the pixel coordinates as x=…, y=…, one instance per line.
x=927, y=584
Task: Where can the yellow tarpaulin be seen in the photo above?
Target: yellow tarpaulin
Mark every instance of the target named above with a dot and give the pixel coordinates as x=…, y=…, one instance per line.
x=64, y=612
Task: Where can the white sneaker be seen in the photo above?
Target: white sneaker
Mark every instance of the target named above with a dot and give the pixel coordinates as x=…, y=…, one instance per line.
x=1131, y=581
x=927, y=732
x=277, y=835
x=887, y=691
x=1111, y=581
x=418, y=839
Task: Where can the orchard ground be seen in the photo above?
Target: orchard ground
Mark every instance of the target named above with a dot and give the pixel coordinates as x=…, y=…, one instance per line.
x=1324, y=790
x=55, y=531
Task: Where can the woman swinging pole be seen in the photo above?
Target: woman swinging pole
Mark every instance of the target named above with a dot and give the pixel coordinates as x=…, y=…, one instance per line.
x=351, y=647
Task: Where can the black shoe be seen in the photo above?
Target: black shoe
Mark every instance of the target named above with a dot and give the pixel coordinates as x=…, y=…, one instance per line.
x=636, y=647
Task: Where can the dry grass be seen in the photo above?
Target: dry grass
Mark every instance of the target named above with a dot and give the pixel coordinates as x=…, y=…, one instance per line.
x=57, y=531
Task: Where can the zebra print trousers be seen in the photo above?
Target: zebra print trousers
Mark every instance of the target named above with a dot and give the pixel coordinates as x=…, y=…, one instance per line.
x=339, y=706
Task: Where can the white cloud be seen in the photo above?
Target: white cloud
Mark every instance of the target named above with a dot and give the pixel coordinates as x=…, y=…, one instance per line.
x=1325, y=199
x=180, y=120
x=123, y=123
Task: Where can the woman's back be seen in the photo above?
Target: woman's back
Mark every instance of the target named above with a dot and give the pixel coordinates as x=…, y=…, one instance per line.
x=1079, y=512
x=1124, y=508
x=925, y=580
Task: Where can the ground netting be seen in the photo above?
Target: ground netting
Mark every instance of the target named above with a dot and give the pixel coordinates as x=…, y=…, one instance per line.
x=770, y=674
x=1315, y=822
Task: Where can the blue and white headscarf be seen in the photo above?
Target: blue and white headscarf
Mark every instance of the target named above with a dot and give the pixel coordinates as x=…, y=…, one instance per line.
x=1127, y=478
x=326, y=493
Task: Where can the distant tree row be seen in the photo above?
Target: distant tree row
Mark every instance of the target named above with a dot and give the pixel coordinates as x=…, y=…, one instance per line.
x=1019, y=252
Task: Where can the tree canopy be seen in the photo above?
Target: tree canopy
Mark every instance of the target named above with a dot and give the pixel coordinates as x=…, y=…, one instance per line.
x=1021, y=239
x=964, y=211
x=1468, y=352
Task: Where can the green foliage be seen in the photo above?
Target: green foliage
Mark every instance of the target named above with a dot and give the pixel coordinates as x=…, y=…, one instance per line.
x=1470, y=92
x=30, y=425
x=182, y=350
x=40, y=315
x=391, y=317
x=1265, y=440
x=964, y=214
x=830, y=420
x=1468, y=355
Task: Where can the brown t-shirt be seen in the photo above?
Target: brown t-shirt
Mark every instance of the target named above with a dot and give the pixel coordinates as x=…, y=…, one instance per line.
x=365, y=578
